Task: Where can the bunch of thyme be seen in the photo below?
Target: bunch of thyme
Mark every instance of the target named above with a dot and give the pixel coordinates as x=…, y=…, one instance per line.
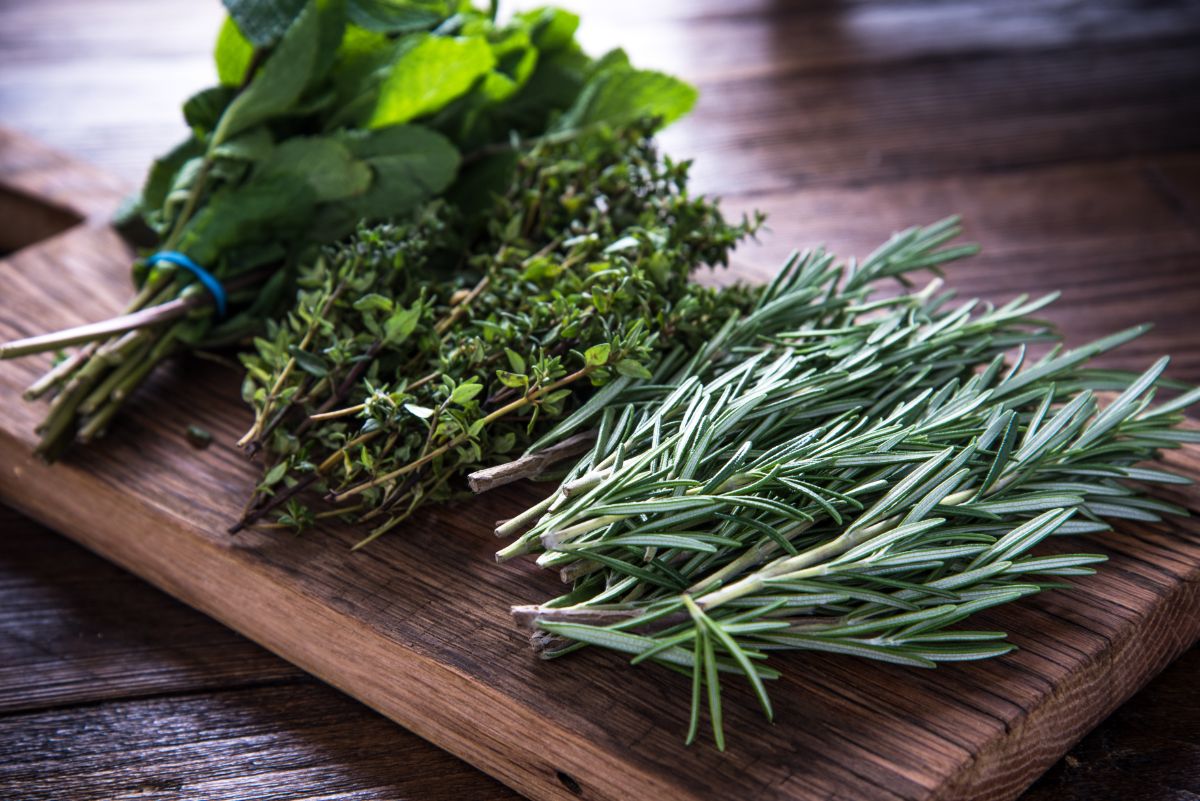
x=419, y=351
x=861, y=476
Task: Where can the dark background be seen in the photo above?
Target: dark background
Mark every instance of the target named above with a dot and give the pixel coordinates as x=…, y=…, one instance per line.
x=1066, y=133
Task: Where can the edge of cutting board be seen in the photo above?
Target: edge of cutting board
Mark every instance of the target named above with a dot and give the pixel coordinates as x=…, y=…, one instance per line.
x=1083, y=652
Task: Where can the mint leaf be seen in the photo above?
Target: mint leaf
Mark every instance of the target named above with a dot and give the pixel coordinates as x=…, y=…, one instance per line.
x=262, y=209
x=163, y=174
x=285, y=74
x=550, y=28
x=253, y=145
x=263, y=22
x=618, y=95
x=428, y=75
x=203, y=110
x=325, y=164
x=515, y=59
x=396, y=140
x=233, y=54
x=410, y=164
x=397, y=16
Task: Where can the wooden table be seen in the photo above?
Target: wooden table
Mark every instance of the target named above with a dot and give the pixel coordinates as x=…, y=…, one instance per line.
x=1068, y=134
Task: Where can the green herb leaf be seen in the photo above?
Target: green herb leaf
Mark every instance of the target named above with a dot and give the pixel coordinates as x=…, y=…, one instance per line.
x=621, y=94
x=633, y=369
x=422, y=412
x=264, y=22
x=465, y=392
x=283, y=77
x=309, y=362
x=233, y=54
x=515, y=360
x=203, y=110
x=432, y=71
x=324, y=163
x=373, y=301
x=597, y=355
x=409, y=165
x=397, y=16
x=401, y=324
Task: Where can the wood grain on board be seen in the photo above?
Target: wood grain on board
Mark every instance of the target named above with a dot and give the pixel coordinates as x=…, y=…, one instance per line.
x=1064, y=132
x=95, y=658
x=110, y=690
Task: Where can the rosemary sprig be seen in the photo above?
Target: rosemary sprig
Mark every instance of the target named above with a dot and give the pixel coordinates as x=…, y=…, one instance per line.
x=856, y=476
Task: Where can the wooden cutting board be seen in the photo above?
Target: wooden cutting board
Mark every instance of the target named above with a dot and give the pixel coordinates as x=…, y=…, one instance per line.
x=417, y=625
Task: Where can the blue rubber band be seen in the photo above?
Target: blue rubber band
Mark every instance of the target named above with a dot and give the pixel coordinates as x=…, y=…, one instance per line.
x=202, y=275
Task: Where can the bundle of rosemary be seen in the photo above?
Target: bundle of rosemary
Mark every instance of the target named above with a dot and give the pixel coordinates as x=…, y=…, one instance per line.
x=328, y=113
x=419, y=351
x=843, y=473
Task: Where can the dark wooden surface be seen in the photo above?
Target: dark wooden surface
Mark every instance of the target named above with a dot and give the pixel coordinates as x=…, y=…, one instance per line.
x=110, y=689
x=1068, y=134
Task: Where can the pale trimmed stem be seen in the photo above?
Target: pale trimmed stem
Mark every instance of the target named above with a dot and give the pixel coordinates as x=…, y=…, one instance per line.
x=526, y=616
x=137, y=347
x=349, y=410
x=60, y=372
x=529, y=465
x=515, y=524
x=555, y=539
x=91, y=332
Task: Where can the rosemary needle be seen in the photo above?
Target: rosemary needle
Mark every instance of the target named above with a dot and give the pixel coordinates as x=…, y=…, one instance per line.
x=845, y=474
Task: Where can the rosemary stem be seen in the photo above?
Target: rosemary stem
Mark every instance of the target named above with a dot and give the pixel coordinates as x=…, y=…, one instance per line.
x=513, y=525
x=530, y=465
x=554, y=539
x=814, y=556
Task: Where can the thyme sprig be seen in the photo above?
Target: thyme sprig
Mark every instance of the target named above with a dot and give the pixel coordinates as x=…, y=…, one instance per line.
x=853, y=475
x=420, y=351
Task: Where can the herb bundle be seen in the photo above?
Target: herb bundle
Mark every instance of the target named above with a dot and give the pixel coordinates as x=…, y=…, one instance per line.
x=328, y=113
x=846, y=474
x=419, y=351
